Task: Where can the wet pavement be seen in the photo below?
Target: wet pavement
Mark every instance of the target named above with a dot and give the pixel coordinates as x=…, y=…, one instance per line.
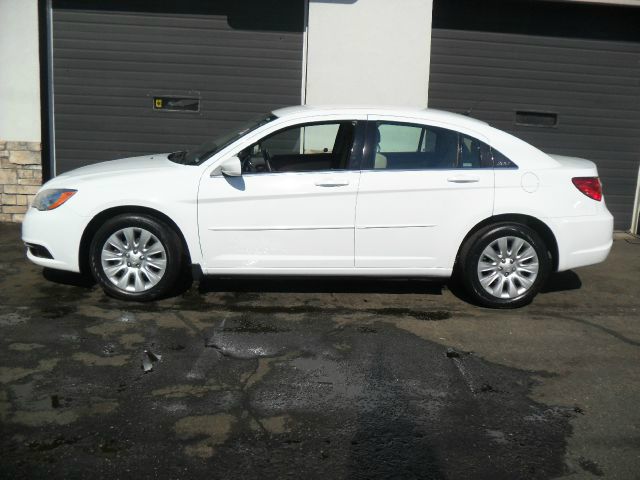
x=319, y=378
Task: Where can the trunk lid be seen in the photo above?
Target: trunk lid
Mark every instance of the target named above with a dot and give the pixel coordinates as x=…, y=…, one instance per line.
x=576, y=167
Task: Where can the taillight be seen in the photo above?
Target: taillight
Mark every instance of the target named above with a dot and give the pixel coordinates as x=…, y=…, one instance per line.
x=590, y=186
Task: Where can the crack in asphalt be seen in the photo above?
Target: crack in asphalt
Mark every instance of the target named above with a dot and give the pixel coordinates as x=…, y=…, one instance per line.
x=604, y=329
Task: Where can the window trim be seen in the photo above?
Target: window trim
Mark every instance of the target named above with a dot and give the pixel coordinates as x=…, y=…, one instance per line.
x=368, y=154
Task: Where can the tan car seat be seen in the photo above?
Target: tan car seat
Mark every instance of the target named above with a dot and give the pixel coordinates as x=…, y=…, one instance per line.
x=380, y=161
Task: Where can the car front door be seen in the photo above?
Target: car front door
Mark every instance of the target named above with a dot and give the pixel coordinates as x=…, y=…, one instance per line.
x=293, y=207
x=422, y=188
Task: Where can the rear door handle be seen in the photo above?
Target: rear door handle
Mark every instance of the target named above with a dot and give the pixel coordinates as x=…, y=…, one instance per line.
x=463, y=179
x=331, y=182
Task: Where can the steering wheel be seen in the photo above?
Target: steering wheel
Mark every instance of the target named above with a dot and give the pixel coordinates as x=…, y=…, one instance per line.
x=248, y=166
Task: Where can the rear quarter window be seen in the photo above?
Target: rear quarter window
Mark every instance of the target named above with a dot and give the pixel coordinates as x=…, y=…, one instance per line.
x=500, y=160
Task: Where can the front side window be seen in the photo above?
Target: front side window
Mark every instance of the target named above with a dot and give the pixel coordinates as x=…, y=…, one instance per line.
x=402, y=146
x=303, y=148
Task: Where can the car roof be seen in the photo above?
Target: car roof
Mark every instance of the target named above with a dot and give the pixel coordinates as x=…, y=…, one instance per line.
x=399, y=111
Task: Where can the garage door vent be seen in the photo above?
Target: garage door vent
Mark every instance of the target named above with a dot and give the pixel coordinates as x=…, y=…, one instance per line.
x=536, y=119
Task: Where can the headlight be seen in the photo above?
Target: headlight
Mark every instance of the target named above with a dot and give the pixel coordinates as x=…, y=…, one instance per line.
x=50, y=199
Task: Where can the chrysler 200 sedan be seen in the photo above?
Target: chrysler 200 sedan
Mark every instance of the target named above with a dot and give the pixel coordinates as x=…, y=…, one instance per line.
x=330, y=191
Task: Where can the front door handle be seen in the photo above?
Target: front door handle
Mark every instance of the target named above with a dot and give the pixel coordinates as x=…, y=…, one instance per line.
x=463, y=179
x=331, y=182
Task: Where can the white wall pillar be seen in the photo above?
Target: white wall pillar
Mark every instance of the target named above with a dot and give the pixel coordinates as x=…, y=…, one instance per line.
x=19, y=71
x=368, y=52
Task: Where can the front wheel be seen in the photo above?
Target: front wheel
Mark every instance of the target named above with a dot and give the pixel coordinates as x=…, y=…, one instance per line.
x=136, y=257
x=504, y=265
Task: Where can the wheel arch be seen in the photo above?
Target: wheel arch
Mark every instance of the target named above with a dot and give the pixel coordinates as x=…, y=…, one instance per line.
x=534, y=223
x=95, y=223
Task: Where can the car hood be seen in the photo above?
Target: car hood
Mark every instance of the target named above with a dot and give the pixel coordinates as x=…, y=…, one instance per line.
x=132, y=166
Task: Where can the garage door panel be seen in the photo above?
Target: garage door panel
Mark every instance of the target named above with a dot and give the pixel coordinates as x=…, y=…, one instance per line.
x=590, y=115
x=99, y=59
x=561, y=46
x=109, y=64
x=186, y=120
x=274, y=86
x=542, y=80
x=552, y=91
x=518, y=98
x=568, y=72
x=103, y=140
x=198, y=73
x=155, y=43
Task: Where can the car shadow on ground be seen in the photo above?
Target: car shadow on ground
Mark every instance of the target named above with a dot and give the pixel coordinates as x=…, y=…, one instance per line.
x=68, y=278
x=320, y=285
x=558, y=282
x=562, y=281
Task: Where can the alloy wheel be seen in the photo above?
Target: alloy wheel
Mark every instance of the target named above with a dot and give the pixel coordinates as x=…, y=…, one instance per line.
x=133, y=259
x=508, y=267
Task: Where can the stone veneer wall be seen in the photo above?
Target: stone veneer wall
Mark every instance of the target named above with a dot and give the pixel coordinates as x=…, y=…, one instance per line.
x=20, y=178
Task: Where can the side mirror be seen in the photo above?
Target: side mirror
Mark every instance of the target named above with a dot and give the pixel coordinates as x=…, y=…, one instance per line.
x=231, y=167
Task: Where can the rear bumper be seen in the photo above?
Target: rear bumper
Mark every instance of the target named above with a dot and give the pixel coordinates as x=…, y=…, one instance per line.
x=582, y=241
x=59, y=231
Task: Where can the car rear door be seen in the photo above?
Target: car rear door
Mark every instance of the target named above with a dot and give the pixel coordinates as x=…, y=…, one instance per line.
x=422, y=188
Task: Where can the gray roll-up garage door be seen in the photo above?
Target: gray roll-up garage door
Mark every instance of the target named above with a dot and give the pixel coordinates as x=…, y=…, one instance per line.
x=142, y=76
x=563, y=76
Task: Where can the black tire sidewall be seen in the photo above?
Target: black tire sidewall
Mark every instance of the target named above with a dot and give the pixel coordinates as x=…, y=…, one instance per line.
x=163, y=232
x=478, y=242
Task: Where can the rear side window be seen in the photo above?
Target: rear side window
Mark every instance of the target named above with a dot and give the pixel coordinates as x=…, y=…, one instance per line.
x=402, y=146
x=398, y=138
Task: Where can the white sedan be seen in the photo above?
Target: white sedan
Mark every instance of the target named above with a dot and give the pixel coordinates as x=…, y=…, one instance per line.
x=330, y=191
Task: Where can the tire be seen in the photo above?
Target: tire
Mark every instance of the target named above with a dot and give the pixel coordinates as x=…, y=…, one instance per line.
x=504, y=265
x=121, y=267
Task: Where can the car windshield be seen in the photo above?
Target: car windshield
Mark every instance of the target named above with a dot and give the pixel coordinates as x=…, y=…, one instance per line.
x=200, y=153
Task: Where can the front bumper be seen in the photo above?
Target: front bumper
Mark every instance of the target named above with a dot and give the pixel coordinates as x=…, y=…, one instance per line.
x=584, y=240
x=60, y=232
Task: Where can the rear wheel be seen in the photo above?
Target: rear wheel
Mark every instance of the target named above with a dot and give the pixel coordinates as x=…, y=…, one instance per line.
x=136, y=257
x=504, y=265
